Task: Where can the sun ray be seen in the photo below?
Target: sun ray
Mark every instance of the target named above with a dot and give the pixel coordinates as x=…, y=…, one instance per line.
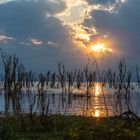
x=100, y=47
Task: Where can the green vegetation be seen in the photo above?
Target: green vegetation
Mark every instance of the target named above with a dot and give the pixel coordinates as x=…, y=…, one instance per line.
x=69, y=128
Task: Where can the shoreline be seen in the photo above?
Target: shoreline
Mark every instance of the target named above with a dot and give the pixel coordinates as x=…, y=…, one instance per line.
x=58, y=127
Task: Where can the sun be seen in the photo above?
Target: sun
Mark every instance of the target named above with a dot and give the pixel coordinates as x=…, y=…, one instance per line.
x=99, y=47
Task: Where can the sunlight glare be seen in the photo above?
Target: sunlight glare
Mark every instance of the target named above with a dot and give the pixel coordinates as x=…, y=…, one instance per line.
x=98, y=47
x=97, y=89
x=97, y=113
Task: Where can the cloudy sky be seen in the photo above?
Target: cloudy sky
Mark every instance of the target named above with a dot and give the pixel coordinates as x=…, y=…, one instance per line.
x=42, y=32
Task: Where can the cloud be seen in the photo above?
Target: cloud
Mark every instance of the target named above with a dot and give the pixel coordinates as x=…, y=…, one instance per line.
x=79, y=11
x=52, y=44
x=4, y=1
x=101, y=1
x=28, y=22
x=4, y=38
x=36, y=41
x=122, y=26
x=54, y=26
x=24, y=19
x=105, y=2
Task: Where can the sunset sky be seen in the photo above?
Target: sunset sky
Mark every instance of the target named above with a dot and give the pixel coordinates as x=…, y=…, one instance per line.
x=41, y=32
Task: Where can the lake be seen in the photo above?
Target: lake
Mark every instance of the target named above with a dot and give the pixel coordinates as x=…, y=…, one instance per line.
x=78, y=102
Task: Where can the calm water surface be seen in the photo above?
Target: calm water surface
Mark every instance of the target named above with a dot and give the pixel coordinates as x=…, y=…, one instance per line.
x=77, y=103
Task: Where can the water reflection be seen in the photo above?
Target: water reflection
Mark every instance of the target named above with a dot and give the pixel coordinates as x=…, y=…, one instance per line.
x=97, y=91
x=76, y=103
x=97, y=88
x=95, y=102
x=97, y=113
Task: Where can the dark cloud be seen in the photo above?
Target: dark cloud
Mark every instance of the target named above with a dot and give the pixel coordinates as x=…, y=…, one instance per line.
x=101, y=1
x=39, y=38
x=27, y=22
x=123, y=27
x=22, y=19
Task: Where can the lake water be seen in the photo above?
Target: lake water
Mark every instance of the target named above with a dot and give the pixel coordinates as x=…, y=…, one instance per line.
x=77, y=102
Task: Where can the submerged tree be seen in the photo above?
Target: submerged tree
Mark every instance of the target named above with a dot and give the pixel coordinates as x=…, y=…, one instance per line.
x=101, y=78
x=13, y=79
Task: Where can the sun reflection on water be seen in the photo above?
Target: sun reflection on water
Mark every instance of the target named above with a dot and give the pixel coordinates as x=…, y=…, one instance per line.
x=94, y=106
x=97, y=92
x=97, y=89
x=97, y=113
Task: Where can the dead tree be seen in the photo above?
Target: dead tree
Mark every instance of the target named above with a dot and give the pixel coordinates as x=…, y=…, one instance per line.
x=120, y=84
x=86, y=72
x=93, y=61
x=48, y=75
x=53, y=78
x=71, y=78
x=13, y=77
x=127, y=89
x=41, y=83
x=79, y=79
x=61, y=76
x=138, y=76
